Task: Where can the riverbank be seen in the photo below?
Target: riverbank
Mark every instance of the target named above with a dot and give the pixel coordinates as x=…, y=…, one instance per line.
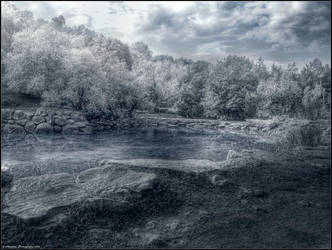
x=278, y=130
x=254, y=199
x=20, y=123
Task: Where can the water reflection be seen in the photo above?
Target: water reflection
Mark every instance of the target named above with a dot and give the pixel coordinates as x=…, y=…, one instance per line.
x=57, y=153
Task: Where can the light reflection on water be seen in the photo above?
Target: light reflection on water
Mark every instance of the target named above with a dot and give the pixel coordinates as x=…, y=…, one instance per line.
x=56, y=154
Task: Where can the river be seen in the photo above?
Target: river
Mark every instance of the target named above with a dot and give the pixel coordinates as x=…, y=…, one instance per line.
x=58, y=154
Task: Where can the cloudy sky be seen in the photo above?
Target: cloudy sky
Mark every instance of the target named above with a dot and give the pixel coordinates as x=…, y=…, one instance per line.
x=280, y=32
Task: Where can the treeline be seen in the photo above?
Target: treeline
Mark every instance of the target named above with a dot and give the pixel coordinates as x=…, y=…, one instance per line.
x=103, y=77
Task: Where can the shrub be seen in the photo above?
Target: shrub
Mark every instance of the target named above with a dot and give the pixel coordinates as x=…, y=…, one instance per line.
x=302, y=135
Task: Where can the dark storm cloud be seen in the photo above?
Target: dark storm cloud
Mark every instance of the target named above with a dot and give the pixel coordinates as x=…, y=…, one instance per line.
x=277, y=31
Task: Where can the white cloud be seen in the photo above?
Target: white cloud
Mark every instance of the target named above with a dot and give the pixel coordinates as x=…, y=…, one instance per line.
x=278, y=31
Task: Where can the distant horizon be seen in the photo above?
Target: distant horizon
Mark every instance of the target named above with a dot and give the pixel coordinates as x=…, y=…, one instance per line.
x=279, y=32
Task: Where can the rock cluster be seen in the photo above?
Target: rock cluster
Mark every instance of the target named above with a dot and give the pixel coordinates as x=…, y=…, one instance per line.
x=43, y=121
x=47, y=121
x=281, y=129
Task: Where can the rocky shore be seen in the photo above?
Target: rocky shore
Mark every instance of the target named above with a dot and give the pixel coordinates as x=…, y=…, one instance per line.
x=19, y=123
x=278, y=129
x=42, y=121
x=253, y=199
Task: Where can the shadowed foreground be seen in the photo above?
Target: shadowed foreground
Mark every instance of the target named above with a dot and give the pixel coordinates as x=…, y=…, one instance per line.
x=253, y=199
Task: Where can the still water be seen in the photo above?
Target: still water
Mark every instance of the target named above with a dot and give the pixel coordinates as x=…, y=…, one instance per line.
x=58, y=154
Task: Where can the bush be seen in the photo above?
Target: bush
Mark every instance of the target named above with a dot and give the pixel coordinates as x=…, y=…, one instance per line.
x=302, y=135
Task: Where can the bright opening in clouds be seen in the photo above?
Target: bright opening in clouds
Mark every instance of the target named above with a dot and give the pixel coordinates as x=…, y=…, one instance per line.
x=278, y=31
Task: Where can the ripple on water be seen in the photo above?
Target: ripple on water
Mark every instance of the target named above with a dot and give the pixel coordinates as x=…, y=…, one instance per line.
x=56, y=154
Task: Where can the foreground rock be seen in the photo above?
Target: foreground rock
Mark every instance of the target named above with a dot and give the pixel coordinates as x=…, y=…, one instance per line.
x=254, y=199
x=35, y=197
x=190, y=165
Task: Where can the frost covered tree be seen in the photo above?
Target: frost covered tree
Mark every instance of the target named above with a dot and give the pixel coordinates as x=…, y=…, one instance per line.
x=229, y=81
x=315, y=80
x=34, y=69
x=280, y=93
x=74, y=66
x=191, y=90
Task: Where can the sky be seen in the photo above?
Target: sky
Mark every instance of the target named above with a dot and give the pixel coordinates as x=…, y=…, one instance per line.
x=280, y=32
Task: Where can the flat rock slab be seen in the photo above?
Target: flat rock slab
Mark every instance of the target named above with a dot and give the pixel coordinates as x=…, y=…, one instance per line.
x=245, y=158
x=35, y=197
x=190, y=165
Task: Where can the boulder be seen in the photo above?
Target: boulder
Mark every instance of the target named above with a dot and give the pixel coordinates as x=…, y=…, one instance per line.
x=233, y=155
x=67, y=112
x=41, y=112
x=70, y=121
x=7, y=114
x=44, y=128
x=220, y=181
x=250, y=159
x=38, y=119
x=70, y=129
x=20, y=115
x=29, y=127
x=50, y=118
x=59, y=112
x=22, y=122
x=59, y=121
x=273, y=125
x=77, y=117
x=13, y=129
x=94, y=188
x=57, y=129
